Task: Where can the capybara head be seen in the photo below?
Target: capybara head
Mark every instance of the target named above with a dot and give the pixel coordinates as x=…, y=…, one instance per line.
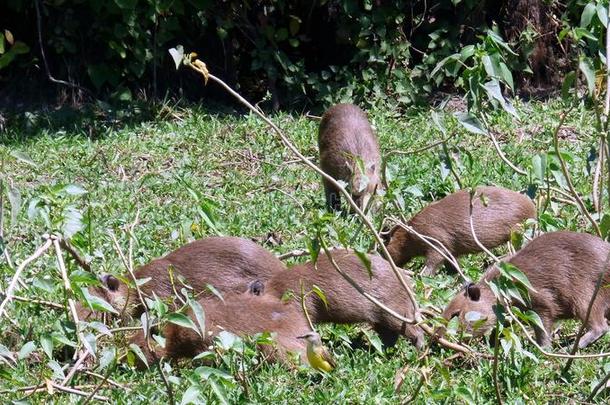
x=473, y=306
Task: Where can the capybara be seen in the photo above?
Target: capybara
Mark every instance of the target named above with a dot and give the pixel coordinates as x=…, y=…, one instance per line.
x=229, y=264
x=563, y=268
x=345, y=303
x=349, y=152
x=240, y=314
x=448, y=221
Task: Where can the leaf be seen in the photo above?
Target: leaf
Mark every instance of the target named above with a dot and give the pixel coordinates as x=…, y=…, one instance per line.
x=138, y=352
x=492, y=88
x=22, y=157
x=2, y=49
x=73, y=222
x=587, y=70
x=214, y=291
x=182, y=320
x=318, y=291
x=227, y=340
x=587, y=14
x=177, y=55
x=14, y=197
x=74, y=189
x=366, y=260
x=107, y=357
x=58, y=372
x=97, y=303
x=602, y=14
x=436, y=118
x=604, y=225
x=471, y=123
x=437, y=68
x=219, y=391
x=534, y=318
x=9, y=37
x=473, y=316
x=100, y=328
x=126, y=4
x=507, y=76
x=46, y=342
x=199, y=315
x=374, y=340
x=539, y=166
x=191, y=395
x=517, y=275
x=26, y=350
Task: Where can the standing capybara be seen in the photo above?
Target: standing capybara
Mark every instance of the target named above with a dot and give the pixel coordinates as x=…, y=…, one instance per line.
x=349, y=152
x=240, y=314
x=229, y=264
x=563, y=268
x=345, y=303
x=496, y=212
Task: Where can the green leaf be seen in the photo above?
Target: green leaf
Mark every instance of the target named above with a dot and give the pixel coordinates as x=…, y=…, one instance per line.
x=318, y=291
x=214, y=291
x=366, y=260
x=534, y=318
x=138, y=352
x=602, y=14
x=46, y=342
x=73, y=222
x=227, y=340
x=191, y=395
x=439, y=66
x=517, y=275
x=74, y=189
x=471, y=123
x=14, y=197
x=604, y=225
x=107, y=357
x=568, y=85
x=183, y=320
x=58, y=372
x=199, y=315
x=219, y=391
x=587, y=70
x=438, y=122
x=126, y=4
x=587, y=14
x=374, y=340
x=22, y=157
x=492, y=88
x=97, y=303
x=26, y=350
x=539, y=166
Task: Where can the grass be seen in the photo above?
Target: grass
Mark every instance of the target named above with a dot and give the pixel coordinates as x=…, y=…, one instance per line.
x=200, y=161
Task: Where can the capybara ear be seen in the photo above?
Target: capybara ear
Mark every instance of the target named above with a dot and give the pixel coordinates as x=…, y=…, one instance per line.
x=473, y=292
x=111, y=282
x=256, y=287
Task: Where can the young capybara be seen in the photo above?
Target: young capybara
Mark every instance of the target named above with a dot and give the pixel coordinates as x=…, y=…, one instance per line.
x=229, y=264
x=496, y=212
x=345, y=303
x=240, y=314
x=563, y=268
x=349, y=152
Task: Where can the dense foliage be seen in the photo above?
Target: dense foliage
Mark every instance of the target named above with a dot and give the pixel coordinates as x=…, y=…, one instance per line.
x=301, y=52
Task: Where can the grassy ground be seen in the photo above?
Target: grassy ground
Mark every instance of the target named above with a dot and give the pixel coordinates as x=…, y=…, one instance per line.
x=175, y=170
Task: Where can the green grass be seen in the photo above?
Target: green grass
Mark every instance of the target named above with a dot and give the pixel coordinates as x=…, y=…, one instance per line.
x=166, y=170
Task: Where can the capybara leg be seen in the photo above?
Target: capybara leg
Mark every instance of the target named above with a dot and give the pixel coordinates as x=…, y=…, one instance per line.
x=333, y=198
x=434, y=260
x=388, y=336
x=597, y=327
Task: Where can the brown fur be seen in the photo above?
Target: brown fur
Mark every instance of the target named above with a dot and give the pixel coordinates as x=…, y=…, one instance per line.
x=227, y=263
x=448, y=221
x=240, y=314
x=345, y=304
x=345, y=136
x=563, y=268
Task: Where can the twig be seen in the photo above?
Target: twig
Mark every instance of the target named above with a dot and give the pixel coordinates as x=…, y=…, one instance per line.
x=108, y=380
x=9, y=291
x=101, y=383
x=200, y=67
x=581, y=330
x=596, y=194
x=44, y=58
x=304, y=307
x=79, y=260
x=502, y=155
x=495, y=366
x=474, y=235
x=293, y=253
x=566, y=175
x=168, y=387
x=598, y=387
x=39, y=302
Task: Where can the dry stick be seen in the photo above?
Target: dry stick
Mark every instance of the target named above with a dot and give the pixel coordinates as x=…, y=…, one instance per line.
x=9, y=292
x=99, y=386
x=44, y=57
x=434, y=244
x=75, y=255
x=598, y=285
x=168, y=387
x=293, y=253
x=39, y=302
x=502, y=155
x=596, y=193
x=566, y=175
x=474, y=235
x=108, y=380
x=418, y=150
x=598, y=387
x=200, y=67
x=77, y=392
x=495, y=365
x=304, y=307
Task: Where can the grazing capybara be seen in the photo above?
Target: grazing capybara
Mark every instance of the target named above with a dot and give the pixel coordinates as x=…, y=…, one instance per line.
x=496, y=212
x=242, y=315
x=229, y=264
x=349, y=152
x=563, y=268
x=345, y=303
